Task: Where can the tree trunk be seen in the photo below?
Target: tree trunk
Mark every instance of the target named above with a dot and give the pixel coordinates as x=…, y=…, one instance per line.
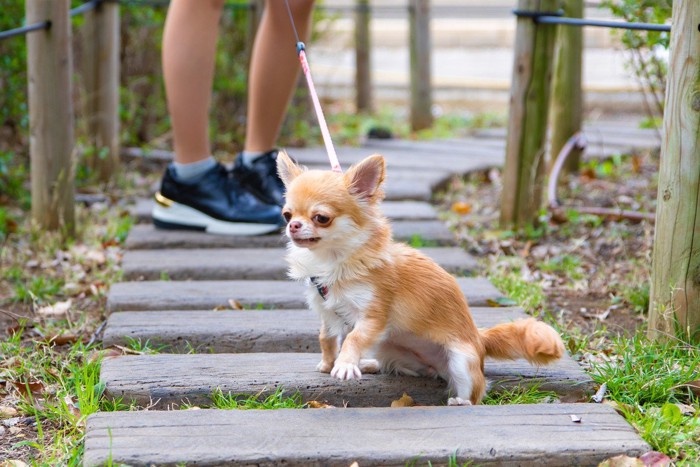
x=675, y=289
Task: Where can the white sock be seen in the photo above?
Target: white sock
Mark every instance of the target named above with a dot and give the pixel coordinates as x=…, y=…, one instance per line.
x=250, y=156
x=193, y=170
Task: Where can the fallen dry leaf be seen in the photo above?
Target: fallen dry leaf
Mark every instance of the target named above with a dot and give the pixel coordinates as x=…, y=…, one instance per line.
x=68, y=400
x=404, y=401
x=655, y=459
x=13, y=463
x=319, y=405
x=25, y=387
x=462, y=208
x=575, y=418
x=7, y=412
x=501, y=301
x=622, y=461
x=62, y=339
x=694, y=386
x=600, y=393
x=57, y=310
x=235, y=304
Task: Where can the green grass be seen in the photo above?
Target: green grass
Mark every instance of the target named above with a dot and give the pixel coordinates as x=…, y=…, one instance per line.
x=61, y=389
x=276, y=400
x=529, y=295
x=647, y=380
x=566, y=265
x=417, y=241
x=522, y=394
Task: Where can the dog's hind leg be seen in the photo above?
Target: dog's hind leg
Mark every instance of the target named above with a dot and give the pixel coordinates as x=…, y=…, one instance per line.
x=465, y=374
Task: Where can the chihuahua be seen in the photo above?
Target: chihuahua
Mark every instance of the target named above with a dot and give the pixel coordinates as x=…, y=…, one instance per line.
x=384, y=299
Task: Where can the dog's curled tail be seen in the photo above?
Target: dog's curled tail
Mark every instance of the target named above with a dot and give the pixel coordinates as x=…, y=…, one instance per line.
x=533, y=340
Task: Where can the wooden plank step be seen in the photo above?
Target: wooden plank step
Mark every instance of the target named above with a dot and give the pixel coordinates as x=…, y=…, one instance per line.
x=208, y=295
x=248, y=263
x=168, y=380
x=402, y=210
x=401, y=158
x=147, y=237
x=240, y=331
x=508, y=435
x=607, y=134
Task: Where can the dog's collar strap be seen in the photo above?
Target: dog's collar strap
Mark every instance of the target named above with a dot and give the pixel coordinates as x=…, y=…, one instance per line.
x=322, y=289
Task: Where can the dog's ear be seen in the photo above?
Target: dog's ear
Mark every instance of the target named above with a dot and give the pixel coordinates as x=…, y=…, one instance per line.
x=286, y=168
x=364, y=179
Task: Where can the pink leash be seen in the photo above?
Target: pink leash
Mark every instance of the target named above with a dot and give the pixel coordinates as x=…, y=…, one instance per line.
x=301, y=50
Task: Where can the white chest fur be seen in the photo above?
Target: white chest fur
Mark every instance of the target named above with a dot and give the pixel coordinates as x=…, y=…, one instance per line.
x=343, y=305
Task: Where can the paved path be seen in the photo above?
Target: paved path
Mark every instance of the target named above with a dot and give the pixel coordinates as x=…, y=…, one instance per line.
x=183, y=292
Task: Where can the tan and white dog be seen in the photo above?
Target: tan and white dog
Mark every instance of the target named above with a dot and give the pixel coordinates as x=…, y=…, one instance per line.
x=384, y=299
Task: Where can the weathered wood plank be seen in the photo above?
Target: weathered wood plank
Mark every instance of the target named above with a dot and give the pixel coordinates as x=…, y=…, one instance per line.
x=168, y=380
x=207, y=295
x=398, y=210
x=615, y=135
x=248, y=263
x=240, y=331
x=143, y=236
x=509, y=435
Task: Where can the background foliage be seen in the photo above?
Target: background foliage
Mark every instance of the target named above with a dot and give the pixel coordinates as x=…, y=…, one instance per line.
x=647, y=58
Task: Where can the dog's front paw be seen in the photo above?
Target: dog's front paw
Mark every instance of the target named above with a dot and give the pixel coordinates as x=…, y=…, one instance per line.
x=324, y=366
x=452, y=401
x=346, y=371
x=369, y=365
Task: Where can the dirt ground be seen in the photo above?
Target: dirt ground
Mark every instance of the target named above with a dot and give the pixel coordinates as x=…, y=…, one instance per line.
x=594, y=271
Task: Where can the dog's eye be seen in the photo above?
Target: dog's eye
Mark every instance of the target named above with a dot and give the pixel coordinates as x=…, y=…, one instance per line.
x=287, y=216
x=321, y=220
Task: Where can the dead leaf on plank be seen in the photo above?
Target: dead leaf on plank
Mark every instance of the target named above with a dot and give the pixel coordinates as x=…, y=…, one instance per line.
x=575, y=418
x=57, y=310
x=319, y=405
x=235, y=304
x=404, y=401
x=501, y=301
x=622, y=461
x=600, y=393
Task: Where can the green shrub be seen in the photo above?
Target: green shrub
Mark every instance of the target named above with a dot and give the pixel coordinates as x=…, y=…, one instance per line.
x=645, y=48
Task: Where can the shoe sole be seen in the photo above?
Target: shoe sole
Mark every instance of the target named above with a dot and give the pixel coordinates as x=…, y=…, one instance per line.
x=180, y=217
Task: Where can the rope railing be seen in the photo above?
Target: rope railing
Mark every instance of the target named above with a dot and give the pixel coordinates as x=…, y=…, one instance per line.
x=85, y=7
x=557, y=18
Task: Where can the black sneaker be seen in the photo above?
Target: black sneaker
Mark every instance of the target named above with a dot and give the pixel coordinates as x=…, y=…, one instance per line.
x=260, y=178
x=216, y=203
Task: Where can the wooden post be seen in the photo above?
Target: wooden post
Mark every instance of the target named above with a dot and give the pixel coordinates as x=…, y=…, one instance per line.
x=675, y=289
x=51, y=132
x=363, y=80
x=101, y=75
x=523, y=177
x=567, y=98
x=419, y=40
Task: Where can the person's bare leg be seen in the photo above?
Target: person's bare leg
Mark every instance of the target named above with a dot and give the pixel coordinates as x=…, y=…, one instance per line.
x=274, y=70
x=189, y=48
